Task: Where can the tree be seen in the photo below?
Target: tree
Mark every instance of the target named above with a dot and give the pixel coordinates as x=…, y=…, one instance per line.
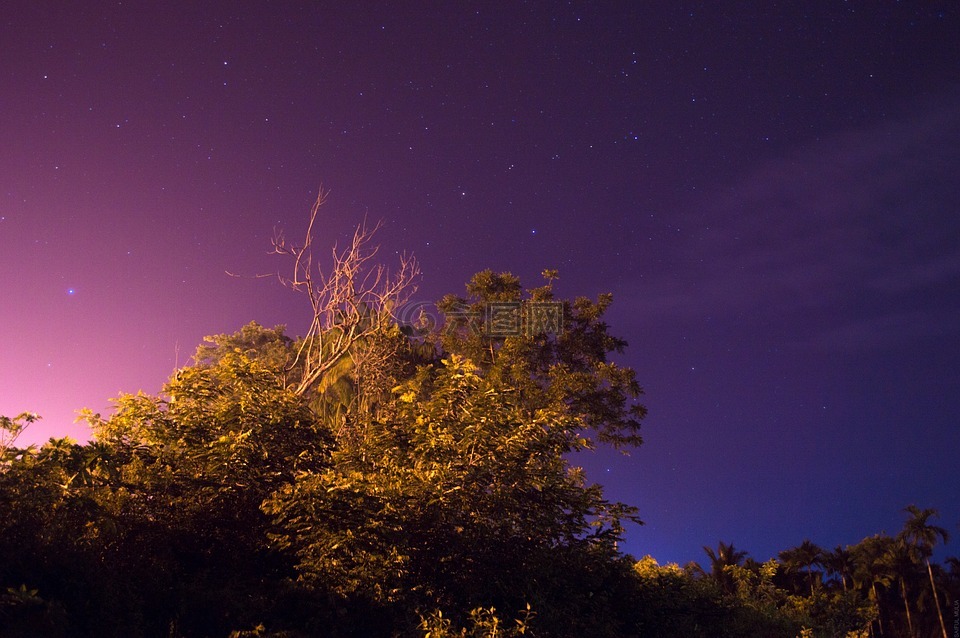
x=10, y=431
x=456, y=482
x=450, y=442
x=224, y=426
x=464, y=468
x=380, y=478
x=839, y=562
x=191, y=468
x=725, y=556
x=921, y=536
x=901, y=561
x=571, y=367
x=804, y=556
x=872, y=568
x=57, y=526
x=396, y=468
x=674, y=602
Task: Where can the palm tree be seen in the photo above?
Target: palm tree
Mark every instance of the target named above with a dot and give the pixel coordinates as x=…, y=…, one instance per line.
x=871, y=569
x=726, y=555
x=954, y=564
x=901, y=560
x=805, y=555
x=839, y=562
x=922, y=537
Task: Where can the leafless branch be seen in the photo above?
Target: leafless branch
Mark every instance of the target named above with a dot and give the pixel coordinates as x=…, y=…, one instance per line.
x=349, y=302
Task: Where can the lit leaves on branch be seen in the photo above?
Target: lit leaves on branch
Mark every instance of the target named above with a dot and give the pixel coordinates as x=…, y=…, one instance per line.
x=572, y=367
x=10, y=431
x=457, y=477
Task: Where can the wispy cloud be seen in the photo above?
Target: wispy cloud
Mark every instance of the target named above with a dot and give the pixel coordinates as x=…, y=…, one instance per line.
x=856, y=235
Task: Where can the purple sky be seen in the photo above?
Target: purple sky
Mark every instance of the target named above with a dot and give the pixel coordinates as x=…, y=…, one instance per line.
x=770, y=193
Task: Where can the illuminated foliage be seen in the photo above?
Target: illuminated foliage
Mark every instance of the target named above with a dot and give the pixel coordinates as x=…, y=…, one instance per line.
x=423, y=484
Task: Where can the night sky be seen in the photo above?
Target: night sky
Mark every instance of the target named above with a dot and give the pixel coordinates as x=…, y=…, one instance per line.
x=770, y=192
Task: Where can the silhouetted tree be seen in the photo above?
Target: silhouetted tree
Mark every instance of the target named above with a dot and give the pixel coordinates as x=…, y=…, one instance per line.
x=921, y=536
x=872, y=568
x=725, y=556
x=840, y=562
x=804, y=556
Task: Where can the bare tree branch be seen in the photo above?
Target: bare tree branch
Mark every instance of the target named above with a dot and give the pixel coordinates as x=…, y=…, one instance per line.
x=349, y=302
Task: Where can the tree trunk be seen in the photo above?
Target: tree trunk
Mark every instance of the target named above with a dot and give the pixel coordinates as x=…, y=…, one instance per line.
x=936, y=599
x=906, y=606
x=876, y=600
